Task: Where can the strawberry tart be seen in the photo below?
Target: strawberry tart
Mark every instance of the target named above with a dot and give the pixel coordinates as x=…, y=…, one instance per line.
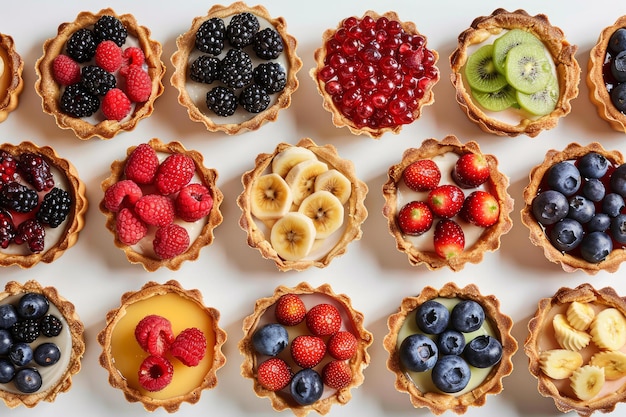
x=11, y=81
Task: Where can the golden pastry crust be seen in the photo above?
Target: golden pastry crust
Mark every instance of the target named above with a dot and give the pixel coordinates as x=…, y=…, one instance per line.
x=186, y=44
x=584, y=293
x=11, y=81
x=497, y=185
x=598, y=92
x=76, y=331
x=76, y=218
x=339, y=120
x=281, y=401
x=50, y=91
x=356, y=212
x=439, y=403
x=538, y=237
x=553, y=38
x=208, y=177
x=152, y=289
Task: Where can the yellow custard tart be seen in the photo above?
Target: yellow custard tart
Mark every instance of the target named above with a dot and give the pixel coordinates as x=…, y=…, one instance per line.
x=11, y=81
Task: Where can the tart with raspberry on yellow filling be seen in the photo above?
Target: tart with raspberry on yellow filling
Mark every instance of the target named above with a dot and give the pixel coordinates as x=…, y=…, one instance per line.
x=11, y=81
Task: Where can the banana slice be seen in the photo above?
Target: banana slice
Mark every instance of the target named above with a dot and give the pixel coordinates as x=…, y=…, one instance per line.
x=613, y=362
x=325, y=210
x=608, y=329
x=290, y=157
x=560, y=363
x=292, y=236
x=271, y=197
x=301, y=178
x=587, y=381
x=335, y=182
x=568, y=337
x=580, y=315
x=1, y=66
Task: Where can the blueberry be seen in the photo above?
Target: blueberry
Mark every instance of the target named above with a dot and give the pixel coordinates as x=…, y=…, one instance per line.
x=483, y=351
x=467, y=316
x=47, y=354
x=432, y=317
x=451, y=374
x=618, y=180
x=32, y=305
x=581, y=209
x=306, y=386
x=270, y=339
x=418, y=353
x=596, y=246
x=566, y=235
x=618, y=97
x=451, y=342
x=618, y=228
x=617, y=41
x=593, y=189
x=27, y=380
x=549, y=207
x=20, y=353
x=599, y=223
x=8, y=316
x=7, y=371
x=612, y=204
x=592, y=165
x=564, y=177
x=618, y=67
x=5, y=341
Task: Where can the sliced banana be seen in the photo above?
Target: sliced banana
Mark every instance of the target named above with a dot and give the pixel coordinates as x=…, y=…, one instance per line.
x=1, y=66
x=580, y=315
x=608, y=329
x=568, y=337
x=613, y=362
x=290, y=157
x=301, y=178
x=560, y=363
x=587, y=381
x=335, y=182
x=271, y=197
x=292, y=236
x=325, y=210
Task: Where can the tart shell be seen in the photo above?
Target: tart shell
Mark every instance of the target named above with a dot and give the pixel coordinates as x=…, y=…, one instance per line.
x=13, y=68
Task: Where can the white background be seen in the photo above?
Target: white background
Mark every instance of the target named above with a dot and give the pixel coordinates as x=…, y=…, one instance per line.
x=93, y=274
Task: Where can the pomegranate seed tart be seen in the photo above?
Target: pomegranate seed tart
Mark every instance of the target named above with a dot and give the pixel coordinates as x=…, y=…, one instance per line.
x=11, y=82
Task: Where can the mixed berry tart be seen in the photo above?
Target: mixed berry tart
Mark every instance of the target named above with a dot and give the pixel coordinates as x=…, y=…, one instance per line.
x=100, y=75
x=11, y=82
x=41, y=344
x=375, y=73
x=514, y=73
x=575, y=210
x=446, y=203
x=42, y=204
x=305, y=348
x=235, y=68
x=162, y=204
x=302, y=205
x=450, y=348
x=162, y=346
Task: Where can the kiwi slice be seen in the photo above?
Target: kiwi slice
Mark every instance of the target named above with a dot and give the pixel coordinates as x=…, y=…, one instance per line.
x=509, y=40
x=543, y=101
x=527, y=68
x=481, y=73
x=496, y=100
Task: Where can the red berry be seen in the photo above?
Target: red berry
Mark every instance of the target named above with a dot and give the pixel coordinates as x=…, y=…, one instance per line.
x=7, y=228
x=446, y=200
x=323, y=320
x=481, y=208
x=342, y=345
x=8, y=168
x=36, y=170
x=307, y=351
x=449, y=240
x=115, y=104
x=290, y=310
x=415, y=218
x=155, y=373
x=108, y=56
x=155, y=210
x=124, y=192
x=193, y=202
x=131, y=56
x=32, y=233
x=142, y=164
x=422, y=175
x=65, y=70
x=189, y=346
x=337, y=374
x=154, y=334
x=274, y=374
x=170, y=241
x=130, y=229
x=470, y=170
x=174, y=173
x=138, y=84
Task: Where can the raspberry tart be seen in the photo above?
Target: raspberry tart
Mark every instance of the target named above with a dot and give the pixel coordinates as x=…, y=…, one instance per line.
x=100, y=75
x=514, y=73
x=162, y=346
x=305, y=335
x=235, y=68
x=11, y=82
x=41, y=344
x=446, y=203
x=464, y=333
x=161, y=204
x=42, y=204
x=302, y=205
x=375, y=73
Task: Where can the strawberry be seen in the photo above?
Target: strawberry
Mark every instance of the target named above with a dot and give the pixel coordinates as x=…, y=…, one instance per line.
x=337, y=374
x=471, y=170
x=174, y=173
x=342, y=345
x=481, y=208
x=415, y=218
x=449, y=240
x=274, y=374
x=422, y=175
x=189, y=346
x=290, y=310
x=142, y=164
x=307, y=351
x=154, y=334
x=446, y=200
x=155, y=373
x=323, y=319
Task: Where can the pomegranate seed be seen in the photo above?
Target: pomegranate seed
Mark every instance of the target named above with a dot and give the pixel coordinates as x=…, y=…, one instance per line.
x=397, y=107
x=352, y=98
x=354, y=32
x=337, y=60
x=365, y=110
x=369, y=83
x=368, y=22
x=333, y=88
x=386, y=86
x=394, y=27
x=379, y=100
x=333, y=45
x=382, y=23
x=326, y=73
x=341, y=35
x=350, y=22
x=350, y=46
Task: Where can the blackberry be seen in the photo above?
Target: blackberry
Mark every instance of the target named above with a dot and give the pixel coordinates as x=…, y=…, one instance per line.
x=7, y=228
x=32, y=233
x=254, y=98
x=222, y=101
x=236, y=69
x=96, y=80
x=36, y=170
x=210, y=36
x=78, y=102
x=241, y=29
x=50, y=325
x=26, y=331
x=81, y=46
x=271, y=76
x=267, y=44
x=18, y=197
x=205, y=69
x=54, y=208
x=110, y=28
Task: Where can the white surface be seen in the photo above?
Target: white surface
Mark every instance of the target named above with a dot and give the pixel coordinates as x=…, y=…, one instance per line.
x=93, y=274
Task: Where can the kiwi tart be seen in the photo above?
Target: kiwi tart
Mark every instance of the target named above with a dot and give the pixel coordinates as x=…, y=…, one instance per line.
x=11, y=82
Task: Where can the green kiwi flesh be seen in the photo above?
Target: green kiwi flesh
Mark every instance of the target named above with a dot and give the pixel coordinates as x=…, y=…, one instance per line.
x=496, y=100
x=527, y=68
x=543, y=101
x=509, y=40
x=481, y=72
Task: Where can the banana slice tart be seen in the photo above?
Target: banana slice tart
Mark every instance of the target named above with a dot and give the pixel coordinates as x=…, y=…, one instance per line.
x=302, y=205
x=11, y=81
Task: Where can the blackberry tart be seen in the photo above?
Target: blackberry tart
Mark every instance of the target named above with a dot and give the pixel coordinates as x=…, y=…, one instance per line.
x=11, y=82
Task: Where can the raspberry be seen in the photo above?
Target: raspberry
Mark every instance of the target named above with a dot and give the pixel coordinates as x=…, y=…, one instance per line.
x=138, y=84
x=130, y=229
x=290, y=310
x=8, y=167
x=115, y=105
x=274, y=374
x=32, y=233
x=7, y=228
x=142, y=164
x=342, y=345
x=108, y=56
x=155, y=373
x=132, y=55
x=54, y=208
x=170, y=241
x=337, y=374
x=189, y=346
x=124, y=192
x=307, y=351
x=323, y=320
x=193, y=202
x=154, y=334
x=36, y=171
x=155, y=210
x=174, y=173
x=65, y=70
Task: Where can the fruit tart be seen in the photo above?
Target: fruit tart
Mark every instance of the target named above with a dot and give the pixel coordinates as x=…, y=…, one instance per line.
x=446, y=203
x=577, y=349
x=375, y=73
x=162, y=347
x=41, y=344
x=162, y=204
x=11, y=81
x=235, y=68
x=100, y=75
x=450, y=348
x=42, y=204
x=514, y=73
x=305, y=348
x=302, y=205
x=575, y=210
x=606, y=75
